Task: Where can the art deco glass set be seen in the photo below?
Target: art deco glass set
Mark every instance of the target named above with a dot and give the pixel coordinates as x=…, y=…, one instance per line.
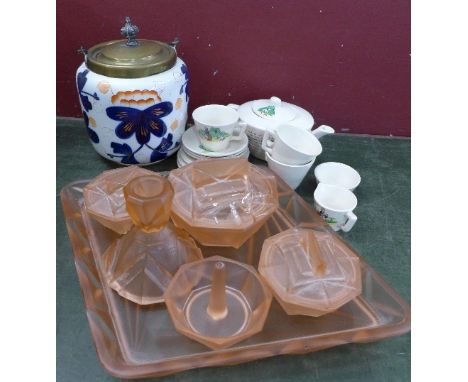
x=217, y=301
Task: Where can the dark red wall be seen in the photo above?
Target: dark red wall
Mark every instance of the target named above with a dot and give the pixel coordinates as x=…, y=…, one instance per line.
x=346, y=61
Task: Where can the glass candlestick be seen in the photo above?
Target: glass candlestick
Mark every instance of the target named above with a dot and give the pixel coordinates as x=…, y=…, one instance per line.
x=104, y=197
x=141, y=264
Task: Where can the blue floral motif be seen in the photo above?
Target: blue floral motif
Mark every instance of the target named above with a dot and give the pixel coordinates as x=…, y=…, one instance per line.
x=80, y=83
x=91, y=133
x=185, y=85
x=142, y=123
x=128, y=156
x=124, y=151
x=160, y=152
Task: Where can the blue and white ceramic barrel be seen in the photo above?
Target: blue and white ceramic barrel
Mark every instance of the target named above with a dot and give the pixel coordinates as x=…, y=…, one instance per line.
x=136, y=120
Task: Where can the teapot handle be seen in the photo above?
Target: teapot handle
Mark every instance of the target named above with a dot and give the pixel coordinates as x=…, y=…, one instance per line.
x=233, y=106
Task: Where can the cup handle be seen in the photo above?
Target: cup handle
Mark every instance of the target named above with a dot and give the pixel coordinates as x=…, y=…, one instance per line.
x=352, y=219
x=267, y=143
x=238, y=131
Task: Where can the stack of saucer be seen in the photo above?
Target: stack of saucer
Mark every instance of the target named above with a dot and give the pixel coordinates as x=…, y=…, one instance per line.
x=191, y=149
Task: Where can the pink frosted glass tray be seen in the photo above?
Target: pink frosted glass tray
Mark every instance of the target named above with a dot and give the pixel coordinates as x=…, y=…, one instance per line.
x=135, y=341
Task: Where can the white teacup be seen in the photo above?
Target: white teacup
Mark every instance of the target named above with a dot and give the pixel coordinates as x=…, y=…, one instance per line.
x=337, y=174
x=217, y=125
x=291, y=145
x=336, y=205
x=291, y=174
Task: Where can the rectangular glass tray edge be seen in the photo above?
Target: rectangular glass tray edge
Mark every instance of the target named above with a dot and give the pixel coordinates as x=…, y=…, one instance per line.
x=105, y=339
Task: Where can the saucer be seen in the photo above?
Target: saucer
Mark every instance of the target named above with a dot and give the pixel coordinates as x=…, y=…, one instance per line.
x=188, y=154
x=184, y=158
x=193, y=147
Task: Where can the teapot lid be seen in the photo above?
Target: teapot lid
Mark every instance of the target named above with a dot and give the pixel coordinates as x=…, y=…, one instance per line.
x=273, y=109
x=131, y=58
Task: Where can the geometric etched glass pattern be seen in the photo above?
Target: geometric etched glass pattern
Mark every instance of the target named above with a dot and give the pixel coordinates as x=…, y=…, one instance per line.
x=135, y=341
x=218, y=301
x=222, y=202
x=140, y=264
x=309, y=271
x=148, y=200
x=104, y=197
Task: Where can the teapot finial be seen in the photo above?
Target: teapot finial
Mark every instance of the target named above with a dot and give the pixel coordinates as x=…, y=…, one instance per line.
x=129, y=31
x=275, y=101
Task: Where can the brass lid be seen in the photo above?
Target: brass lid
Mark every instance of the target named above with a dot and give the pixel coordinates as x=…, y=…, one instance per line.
x=131, y=58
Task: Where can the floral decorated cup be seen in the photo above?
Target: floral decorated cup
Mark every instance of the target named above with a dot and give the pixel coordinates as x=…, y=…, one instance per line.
x=217, y=125
x=335, y=205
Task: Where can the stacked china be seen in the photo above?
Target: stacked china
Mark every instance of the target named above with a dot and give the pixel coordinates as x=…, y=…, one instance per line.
x=290, y=152
x=217, y=133
x=334, y=199
x=191, y=149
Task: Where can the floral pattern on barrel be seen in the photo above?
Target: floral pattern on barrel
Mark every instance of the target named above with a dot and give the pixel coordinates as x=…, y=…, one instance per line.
x=160, y=152
x=81, y=79
x=142, y=123
x=137, y=120
x=91, y=133
x=185, y=85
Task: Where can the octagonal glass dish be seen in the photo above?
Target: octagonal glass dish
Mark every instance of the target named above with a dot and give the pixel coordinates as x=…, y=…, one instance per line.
x=217, y=301
x=104, y=197
x=222, y=202
x=309, y=272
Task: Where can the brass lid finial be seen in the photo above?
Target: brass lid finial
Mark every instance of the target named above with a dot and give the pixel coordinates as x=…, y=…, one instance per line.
x=129, y=31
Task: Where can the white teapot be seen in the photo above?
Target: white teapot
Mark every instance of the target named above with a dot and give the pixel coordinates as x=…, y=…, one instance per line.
x=264, y=114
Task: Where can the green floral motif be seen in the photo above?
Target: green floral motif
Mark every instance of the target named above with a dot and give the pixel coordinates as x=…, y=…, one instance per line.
x=214, y=134
x=205, y=149
x=324, y=215
x=267, y=111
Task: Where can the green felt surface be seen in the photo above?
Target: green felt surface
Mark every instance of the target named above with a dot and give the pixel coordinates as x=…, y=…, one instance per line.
x=381, y=235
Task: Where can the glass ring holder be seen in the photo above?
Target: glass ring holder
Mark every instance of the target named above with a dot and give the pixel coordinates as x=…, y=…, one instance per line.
x=218, y=301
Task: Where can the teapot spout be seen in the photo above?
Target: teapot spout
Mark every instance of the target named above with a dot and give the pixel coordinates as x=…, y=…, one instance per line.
x=322, y=130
